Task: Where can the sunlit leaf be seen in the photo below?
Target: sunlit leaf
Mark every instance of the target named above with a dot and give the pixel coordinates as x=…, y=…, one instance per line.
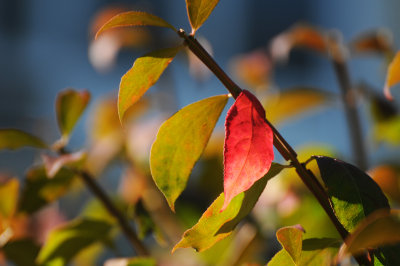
x=248, y=148
x=67, y=241
x=15, y=139
x=144, y=73
x=354, y=195
x=70, y=105
x=294, y=102
x=40, y=190
x=392, y=76
x=379, y=229
x=134, y=18
x=199, y=11
x=8, y=198
x=214, y=225
x=180, y=142
x=291, y=238
x=21, y=252
x=281, y=258
x=137, y=261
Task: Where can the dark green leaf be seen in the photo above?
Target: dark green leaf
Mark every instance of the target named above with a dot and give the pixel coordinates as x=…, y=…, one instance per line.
x=354, y=195
x=144, y=73
x=180, y=142
x=198, y=11
x=134, y=18
x=67, y=241
x=215, y=225
x=15, y=139
x=21, y=252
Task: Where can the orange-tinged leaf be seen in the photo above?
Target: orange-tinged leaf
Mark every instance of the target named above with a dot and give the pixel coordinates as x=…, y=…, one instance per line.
x=392, y=76
x=291, y=238
x=180, y=142
x=309, y=37
x=144, y=73
x=248, y=148
x=199, y=11
x=214, y=225
x=15, y=139
x=376, y=41
x=134, y=18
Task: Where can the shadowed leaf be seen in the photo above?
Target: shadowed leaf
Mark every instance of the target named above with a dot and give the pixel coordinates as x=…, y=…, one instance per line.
x=392, y=76
x=214, y=225
x=199, y=11
x=144, y=73
x=65, y=242
x=248, y=148
x=15, y=139
x=22, y=252
x=180, y=142
x=354, y=195
x=134, y=18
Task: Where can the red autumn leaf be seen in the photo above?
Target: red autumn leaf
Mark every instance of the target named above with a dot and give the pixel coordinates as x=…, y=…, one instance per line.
x=248, y=149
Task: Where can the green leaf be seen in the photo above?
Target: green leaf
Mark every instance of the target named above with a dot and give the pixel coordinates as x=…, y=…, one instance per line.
x=180, y=142
x=40, y=190
x=291, y=238
x=198, y=11
x=281, y=258
x=134, y=18
x=215, y=225
x=15, y=139
x=354, y=195
x=319, y=251
x=136, y=261
x=379, y=229
x=67, y=241
x=8, y=199
x=21, y=252
x=70, y=105
x=144, y=73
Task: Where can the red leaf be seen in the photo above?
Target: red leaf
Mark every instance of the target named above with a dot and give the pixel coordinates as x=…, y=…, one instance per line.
x=248, y=149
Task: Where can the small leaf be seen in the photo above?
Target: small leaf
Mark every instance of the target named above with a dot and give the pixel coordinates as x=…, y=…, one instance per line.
x=376, y=41
x=144, y=73
x=21, y=252
x=70, y=105
x=53, y=164
x=65, y=242
x=8, y=199
x=199, y=11
x=134, y=18
x=180, y=142
x=392, y=76
x=214, y=225
x=380, y=228
x=248, y=148
x=15, y=139
x=40, y=190
x=354, y=195
x=291, y=238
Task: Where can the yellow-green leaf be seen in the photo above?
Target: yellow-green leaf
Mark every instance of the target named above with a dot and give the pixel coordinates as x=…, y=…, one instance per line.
x=378, y=229
x=136, y=261
x=134, y=18
x=15, y=139
x=70, y=105
x=144, y=73
x=8, y=198
x=215, y=225
x=291, y=238
x=180, y=142
x=67, y=241
x=198, y=11
x=392, y=75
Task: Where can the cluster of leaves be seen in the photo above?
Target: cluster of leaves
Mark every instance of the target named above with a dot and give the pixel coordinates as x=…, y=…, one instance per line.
x=357, y=201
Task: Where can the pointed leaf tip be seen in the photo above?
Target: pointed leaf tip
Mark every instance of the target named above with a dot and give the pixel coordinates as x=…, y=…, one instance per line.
x=199, y=11
x=134, y=18
x=248, y=148
x=180, y=143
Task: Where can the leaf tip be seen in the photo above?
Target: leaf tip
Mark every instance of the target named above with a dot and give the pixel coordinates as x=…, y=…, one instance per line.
x=387, y=93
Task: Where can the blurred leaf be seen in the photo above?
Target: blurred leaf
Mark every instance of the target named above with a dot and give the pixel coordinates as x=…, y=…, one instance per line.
x=387, y=177
x=376, y=41
x=392, y=76
x=134, y=18
x=199, y=11
x=294, y=102
x=248, y=148
x=146, y=224
x=21, y=252
x=378, y=229
x=53, y=164
x=388, y=131
x=354, y=195
x=215, y=225
x=40, y=190
x=137, y=261
x=8, y=199
x=381, y=109
x=70, y=105
x=291, y=238
x=15, y=139
x=144, y=73
x=67, y=241
x=180, y=143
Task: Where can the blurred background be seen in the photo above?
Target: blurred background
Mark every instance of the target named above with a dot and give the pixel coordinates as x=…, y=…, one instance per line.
x=47, y=46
